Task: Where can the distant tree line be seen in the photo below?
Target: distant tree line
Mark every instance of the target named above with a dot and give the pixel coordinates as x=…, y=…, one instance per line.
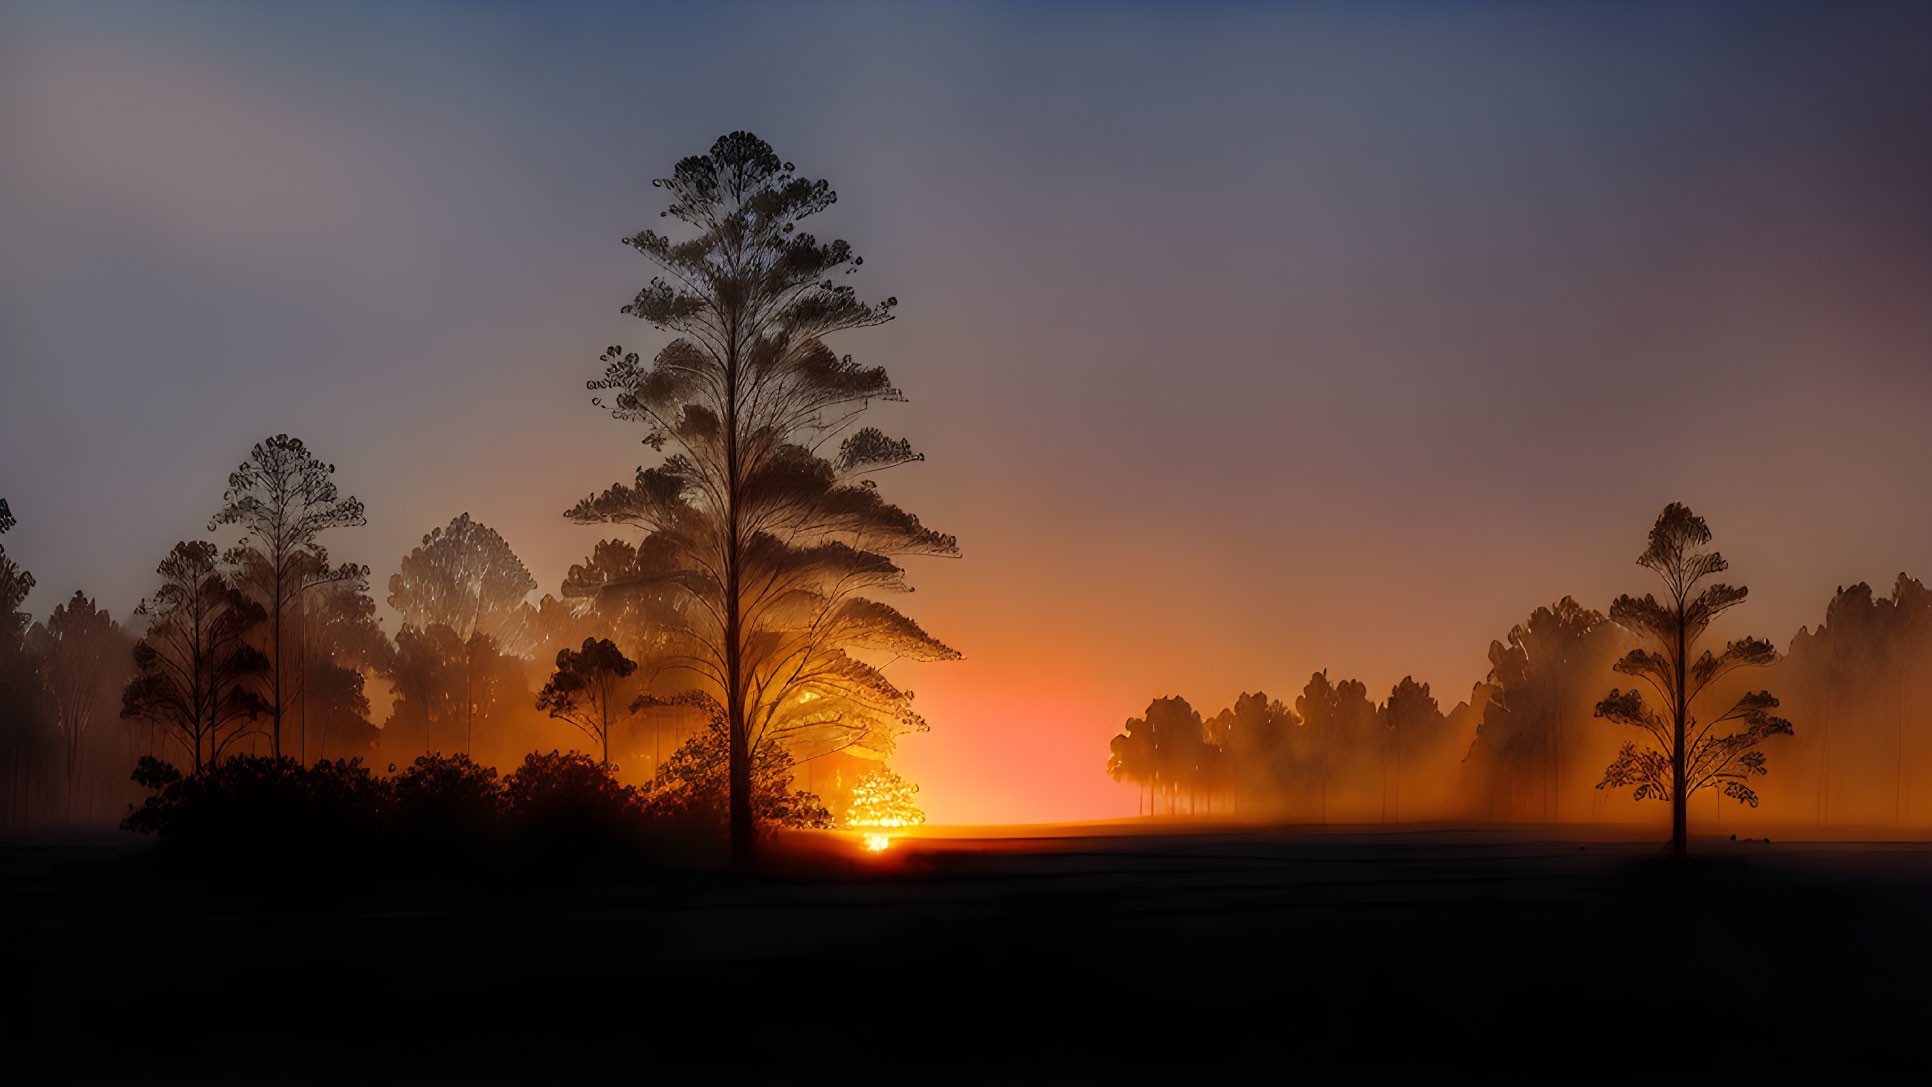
x=1555, y=733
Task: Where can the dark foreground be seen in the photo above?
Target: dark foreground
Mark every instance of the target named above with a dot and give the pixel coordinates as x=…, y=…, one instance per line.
x=1160, y=957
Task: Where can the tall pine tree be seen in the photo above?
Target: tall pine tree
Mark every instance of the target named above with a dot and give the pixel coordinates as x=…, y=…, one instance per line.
x=765, y=498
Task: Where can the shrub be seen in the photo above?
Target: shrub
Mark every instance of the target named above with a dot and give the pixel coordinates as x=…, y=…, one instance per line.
x=693, y=785
x=258, y=800
x=567, y=786
x=448, y=790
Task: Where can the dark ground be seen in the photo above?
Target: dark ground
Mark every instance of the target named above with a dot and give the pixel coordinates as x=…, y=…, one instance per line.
x=1167, y=956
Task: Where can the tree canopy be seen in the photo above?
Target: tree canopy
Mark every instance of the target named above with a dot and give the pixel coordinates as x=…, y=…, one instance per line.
x=463, y=576
x=197, y=670
x=1683, y=756
x=764, y=508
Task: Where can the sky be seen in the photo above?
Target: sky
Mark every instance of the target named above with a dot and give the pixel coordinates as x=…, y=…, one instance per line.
x=1242, y=340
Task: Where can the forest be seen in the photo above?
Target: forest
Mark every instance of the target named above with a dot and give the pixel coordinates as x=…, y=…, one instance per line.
x=723, y=656
x=1541, y=738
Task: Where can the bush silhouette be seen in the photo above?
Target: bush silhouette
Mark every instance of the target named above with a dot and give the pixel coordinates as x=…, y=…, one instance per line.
x=261, y=803
x=448, y=790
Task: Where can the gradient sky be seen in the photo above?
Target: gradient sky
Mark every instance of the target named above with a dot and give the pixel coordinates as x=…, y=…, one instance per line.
x=1243, y=340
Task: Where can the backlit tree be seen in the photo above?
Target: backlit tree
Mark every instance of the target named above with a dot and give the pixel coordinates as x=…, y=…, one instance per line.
x=1684, y=756
x=85, y=659
x=426, y=674
x=588, y=690
x=464, y=576
x=694, y=780
x=283, y=497
x=28, y=741
x=1261, y=738
x=342, y=644
x=1163, y=749
x=766, y=502
x=1410, y=715
x=1548, y=672
x=467, y=579
x=1343, y=724
x=197, y=668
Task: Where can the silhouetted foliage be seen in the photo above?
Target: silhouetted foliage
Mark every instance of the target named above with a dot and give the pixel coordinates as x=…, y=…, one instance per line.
x=15, y=584
x=560, y=812
x=1860, y=675
x=1547, y=674
x=448, y=789
x=694, y=784
x=1344, y=725
x=774, y=537
x=6, y=518
x=464, y=577
x=1265, y=753
x=424, y=672
x=1413, y=720
x=1684, y=757
x=1164, y=750
x=85, y=658
x=568, y=807
x=29, y=742
x=283, y=497
x=1335, y=756
x=588, y=690
x=197, y=670
x=260, y=804
x=341, y=645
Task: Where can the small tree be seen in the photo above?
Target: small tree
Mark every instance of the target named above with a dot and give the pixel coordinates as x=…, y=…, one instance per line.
x=1685, y=756
x=1260, y=738
x=197, y=668
x=283, y=498
x=587, y=690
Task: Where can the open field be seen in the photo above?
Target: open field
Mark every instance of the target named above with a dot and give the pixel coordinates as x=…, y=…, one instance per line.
x=1105, y=952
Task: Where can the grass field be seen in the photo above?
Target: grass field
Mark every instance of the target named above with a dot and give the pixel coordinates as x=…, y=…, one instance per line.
x=1031, y=954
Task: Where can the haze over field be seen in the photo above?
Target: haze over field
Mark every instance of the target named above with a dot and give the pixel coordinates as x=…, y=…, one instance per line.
x=1242, y=341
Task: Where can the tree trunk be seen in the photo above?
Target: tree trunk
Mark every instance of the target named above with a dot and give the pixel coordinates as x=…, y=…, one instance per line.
x=278, y=655
x=744, y=838
x=1679, y=803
